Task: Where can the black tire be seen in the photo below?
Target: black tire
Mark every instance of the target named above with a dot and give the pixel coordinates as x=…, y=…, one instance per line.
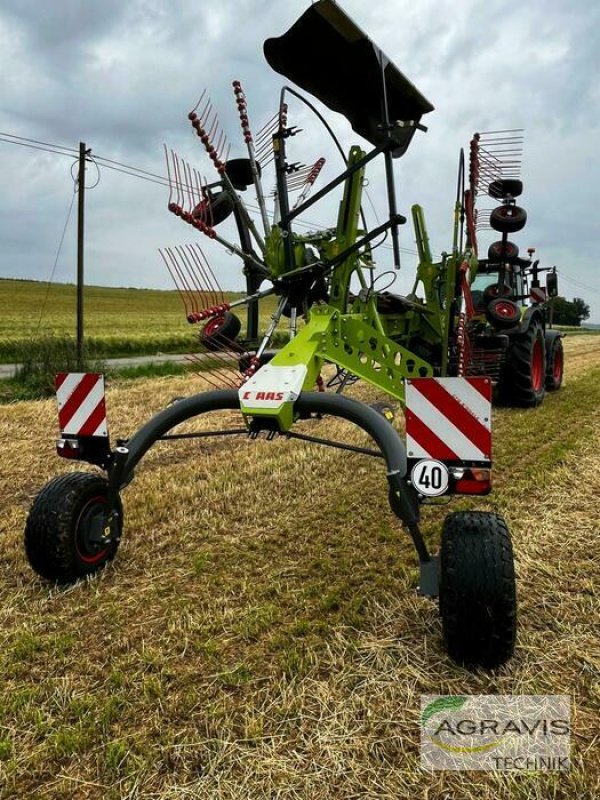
x=522, y=382
x=239, y=172
x=505, y=186
x=219, y=332
x=508, y=219
x=214, y=209
x=494, y=291
x=554, y=365
x=478, y=600
x=502, y=312
x=503, y=251
x=64, y=526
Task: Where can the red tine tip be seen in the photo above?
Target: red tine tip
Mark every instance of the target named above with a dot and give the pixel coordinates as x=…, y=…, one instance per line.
x=235, y=83
x=192, y=116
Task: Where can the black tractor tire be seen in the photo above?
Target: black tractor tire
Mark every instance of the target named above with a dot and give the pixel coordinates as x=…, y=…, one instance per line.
x=522, y=382
x=219, y=332
x=477, y=599
x=554, y=365
x=65, y=524
x=508, y=219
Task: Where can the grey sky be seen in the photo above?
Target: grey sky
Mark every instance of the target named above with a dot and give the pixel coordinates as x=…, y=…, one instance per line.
x=121, y=76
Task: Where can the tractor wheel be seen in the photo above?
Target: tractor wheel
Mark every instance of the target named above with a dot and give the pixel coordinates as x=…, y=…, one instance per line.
x=220, y=332
x=508, y=219
x=73, y=528
x=555, y=365
x=523, y=377
x=478, y=601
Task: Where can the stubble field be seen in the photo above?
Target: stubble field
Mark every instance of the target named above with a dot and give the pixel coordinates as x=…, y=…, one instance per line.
x=259, y=634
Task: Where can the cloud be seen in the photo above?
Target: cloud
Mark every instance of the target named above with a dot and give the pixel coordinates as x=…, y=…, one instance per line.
x=121, y=76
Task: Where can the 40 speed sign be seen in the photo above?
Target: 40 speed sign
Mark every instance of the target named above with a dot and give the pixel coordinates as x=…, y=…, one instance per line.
x=430, y=477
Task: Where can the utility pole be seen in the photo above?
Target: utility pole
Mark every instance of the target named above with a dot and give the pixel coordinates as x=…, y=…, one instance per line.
x=80, y=237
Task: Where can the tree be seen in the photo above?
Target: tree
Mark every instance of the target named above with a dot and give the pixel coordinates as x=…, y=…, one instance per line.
x=565, y=312
x=583, y=310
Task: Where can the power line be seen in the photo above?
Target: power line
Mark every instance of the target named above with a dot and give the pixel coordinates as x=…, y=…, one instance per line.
x=142, y=174
x=579, y=284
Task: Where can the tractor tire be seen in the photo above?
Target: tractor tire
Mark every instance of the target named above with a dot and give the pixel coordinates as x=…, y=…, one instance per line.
x=219, y=332
x=522, y=382
x=65, y=524
x=555, y=365
x=508, y=219
x=477, y=599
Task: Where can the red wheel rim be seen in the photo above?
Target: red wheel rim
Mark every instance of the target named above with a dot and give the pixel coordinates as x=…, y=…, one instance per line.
x=213, y=326
x=80, y=541
x=557, y=365
x=537, y=366
x=506, y=310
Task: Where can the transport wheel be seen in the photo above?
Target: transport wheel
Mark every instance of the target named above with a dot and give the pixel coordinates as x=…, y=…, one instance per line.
x=219, y=332
x=508, y=219
x=478, y=601
x=505, y=186
x=502, y=312
x=555, y=365
x=503, y=251
x=214, y=209
x=523, y=379
x=73, y=528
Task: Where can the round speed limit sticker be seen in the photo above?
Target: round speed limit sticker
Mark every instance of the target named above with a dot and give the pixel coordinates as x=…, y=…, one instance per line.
x=430, y=477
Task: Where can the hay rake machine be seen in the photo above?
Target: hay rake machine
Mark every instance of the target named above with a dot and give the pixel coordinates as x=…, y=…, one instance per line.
x=418, y=349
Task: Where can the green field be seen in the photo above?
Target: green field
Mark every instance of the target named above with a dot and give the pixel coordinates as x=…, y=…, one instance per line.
x=118, y=322
x=259, y=634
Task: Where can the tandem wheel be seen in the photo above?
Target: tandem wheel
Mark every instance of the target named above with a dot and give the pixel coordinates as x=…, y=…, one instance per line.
x=73, y=528
x=477, y=599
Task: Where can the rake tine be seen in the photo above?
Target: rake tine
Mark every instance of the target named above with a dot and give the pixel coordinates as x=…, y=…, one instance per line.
x=185, y=279
x=180, y=292
x=168, y=175
x=182, y=281
x=198, y=103
x=215, y=295
x=206, y=374
x=193, y=278
x=178, y=184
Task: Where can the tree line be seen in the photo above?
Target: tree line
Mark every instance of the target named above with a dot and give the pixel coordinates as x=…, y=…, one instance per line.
x=569, y=312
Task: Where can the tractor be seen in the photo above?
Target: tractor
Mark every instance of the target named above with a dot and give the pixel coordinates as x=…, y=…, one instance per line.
x=438, y=351
x=507, y=331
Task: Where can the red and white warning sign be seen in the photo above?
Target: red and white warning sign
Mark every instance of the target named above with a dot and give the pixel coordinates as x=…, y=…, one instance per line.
x=81, y=407
x=538, y=294
x=449, y=419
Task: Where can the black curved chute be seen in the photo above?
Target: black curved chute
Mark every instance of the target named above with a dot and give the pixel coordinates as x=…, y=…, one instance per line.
x=328, y=55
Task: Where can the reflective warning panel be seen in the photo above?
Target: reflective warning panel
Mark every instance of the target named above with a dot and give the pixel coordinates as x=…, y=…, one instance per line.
x=449, y=420
x=81, y=406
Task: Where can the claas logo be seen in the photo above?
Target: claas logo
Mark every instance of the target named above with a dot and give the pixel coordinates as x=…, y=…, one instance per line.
x=262, y=396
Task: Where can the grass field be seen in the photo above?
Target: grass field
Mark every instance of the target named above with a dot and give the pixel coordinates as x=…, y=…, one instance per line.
x=259, y=634
x=118, y=322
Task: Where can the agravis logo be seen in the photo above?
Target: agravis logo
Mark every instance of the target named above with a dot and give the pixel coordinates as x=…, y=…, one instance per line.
x=495, y=732
x=438, y=708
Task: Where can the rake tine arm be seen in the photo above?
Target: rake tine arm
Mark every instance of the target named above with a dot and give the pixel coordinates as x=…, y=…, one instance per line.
x=243, y=112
